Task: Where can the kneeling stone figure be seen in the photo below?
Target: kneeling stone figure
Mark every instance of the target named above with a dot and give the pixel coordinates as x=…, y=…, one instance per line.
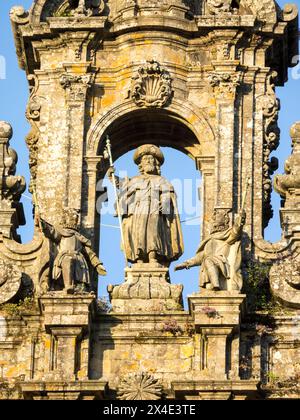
x=74, y=251
x=220, y=254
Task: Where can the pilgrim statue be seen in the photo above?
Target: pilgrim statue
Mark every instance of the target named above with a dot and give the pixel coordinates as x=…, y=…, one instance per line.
x=148, y=206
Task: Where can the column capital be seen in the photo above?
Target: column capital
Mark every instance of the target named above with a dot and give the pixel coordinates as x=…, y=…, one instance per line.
x=205, y=164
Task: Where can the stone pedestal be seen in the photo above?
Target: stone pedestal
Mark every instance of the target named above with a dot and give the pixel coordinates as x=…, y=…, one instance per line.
x=147, y=289
x=216, y=316
x=66, y=320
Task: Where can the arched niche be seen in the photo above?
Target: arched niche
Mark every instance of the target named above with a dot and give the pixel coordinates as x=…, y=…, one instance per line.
x=128, y=128
x=150, y=126
x=181, y=115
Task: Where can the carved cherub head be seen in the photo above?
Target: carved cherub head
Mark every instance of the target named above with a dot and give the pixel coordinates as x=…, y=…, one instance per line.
x=70, y=218
x=220, y=220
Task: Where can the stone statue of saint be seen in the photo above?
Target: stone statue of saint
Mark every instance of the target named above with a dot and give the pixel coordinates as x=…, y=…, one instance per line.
x=220, y=254
x=74, y=253
x=148, y=205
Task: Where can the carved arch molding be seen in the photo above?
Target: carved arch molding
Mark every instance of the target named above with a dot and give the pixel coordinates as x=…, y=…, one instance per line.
x=189, y=125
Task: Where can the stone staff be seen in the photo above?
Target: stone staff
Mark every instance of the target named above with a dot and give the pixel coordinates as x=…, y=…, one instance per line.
x=114, y=182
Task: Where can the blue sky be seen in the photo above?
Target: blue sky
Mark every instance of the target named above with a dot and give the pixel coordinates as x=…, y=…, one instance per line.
x=14, y=94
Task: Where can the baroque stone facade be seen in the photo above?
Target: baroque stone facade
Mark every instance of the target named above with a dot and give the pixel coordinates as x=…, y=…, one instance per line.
x=198, y=76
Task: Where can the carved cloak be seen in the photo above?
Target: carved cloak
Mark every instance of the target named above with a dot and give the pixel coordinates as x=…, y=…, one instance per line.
x=150, y=218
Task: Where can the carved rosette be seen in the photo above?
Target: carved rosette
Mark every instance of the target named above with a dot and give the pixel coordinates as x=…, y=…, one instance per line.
x=152, y=87
x=139, y=386
x=224, y=84
x=285, y=280
x=10, y=281
x=270, y=109
x=76, y=86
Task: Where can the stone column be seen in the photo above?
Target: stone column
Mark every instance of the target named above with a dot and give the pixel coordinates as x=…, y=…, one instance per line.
x=76, y=81
x=216, y=316
x=206, y=164
x=224, y=80
x=93, y=165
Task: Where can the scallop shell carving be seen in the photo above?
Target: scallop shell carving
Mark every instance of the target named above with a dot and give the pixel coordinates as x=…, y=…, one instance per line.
x=152, y=87
x=139, y=386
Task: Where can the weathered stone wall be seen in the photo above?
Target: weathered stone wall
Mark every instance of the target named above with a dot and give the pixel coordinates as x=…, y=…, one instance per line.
x=90, y=73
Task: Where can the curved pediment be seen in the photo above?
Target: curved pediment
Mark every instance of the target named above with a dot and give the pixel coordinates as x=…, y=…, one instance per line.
x=266, y=11
x=43, y=9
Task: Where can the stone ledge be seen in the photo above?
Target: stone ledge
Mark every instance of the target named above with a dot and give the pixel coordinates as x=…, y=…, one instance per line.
x=226, y=21
x=75, y=23
x=215, y=389
x=227, y=307
x=59, y=309
x=276, y=393
x=70, y=390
